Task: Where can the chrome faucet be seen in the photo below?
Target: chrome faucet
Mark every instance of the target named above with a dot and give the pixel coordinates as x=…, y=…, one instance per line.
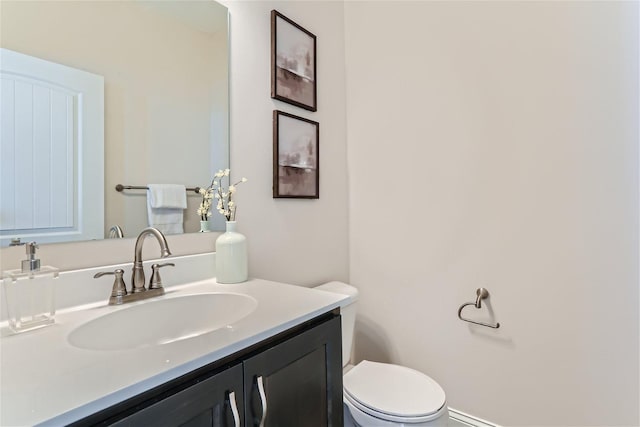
x=137, y=276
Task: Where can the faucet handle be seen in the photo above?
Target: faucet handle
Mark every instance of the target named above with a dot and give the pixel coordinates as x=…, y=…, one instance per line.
x=119, y=288
x=156, y=281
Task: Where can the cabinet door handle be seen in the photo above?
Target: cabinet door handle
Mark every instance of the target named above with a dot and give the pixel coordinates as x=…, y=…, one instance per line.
x=234, y=409
x=263, y=400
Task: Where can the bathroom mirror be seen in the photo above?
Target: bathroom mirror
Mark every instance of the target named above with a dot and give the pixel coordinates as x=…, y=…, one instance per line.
x=166, y=95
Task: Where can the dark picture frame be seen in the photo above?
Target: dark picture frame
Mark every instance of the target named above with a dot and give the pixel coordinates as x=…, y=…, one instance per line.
x=293, y=63
x=296, y=157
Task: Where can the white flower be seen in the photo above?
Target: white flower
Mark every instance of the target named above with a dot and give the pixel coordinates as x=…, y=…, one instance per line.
x=223, y=196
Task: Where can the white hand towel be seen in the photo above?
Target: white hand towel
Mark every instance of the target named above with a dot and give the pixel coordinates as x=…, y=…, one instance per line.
x=165, y=203
x=167, y=196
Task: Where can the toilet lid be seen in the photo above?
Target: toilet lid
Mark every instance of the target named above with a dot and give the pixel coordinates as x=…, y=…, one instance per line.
x=394, y=390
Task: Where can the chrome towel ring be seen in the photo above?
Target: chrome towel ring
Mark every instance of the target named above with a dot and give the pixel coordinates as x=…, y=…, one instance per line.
x=481, y=293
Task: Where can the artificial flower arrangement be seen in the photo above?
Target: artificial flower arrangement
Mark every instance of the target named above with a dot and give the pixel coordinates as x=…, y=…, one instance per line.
x=225, y=204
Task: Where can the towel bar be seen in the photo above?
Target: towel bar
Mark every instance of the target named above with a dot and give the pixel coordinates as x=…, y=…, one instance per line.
x=481, y=293
x=121, y=187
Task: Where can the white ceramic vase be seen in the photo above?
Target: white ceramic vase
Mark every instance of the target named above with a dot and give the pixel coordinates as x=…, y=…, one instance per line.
x=204, y=226
x=231, y=256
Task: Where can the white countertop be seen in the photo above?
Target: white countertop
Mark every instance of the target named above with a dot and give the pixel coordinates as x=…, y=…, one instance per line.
x=44, y=380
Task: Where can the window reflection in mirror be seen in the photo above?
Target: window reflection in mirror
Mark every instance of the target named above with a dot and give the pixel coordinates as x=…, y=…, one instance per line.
x=165, y=70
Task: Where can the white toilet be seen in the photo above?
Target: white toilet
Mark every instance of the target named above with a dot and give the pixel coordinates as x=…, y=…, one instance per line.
x=382, y=394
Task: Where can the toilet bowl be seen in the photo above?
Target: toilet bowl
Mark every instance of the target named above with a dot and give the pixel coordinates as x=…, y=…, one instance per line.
x=383, y=394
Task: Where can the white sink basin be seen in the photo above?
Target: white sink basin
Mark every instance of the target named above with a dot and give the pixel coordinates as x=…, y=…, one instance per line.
x=162, y=321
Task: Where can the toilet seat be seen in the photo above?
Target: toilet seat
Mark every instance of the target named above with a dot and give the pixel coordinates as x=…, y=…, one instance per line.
x=394, y=393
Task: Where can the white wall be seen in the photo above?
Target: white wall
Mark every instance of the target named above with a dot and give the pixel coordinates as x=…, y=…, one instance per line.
x=296, y=241
x=495, y=144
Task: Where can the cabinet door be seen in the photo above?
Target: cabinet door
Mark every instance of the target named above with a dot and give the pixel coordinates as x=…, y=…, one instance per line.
x=298, y=382
x=214, y=402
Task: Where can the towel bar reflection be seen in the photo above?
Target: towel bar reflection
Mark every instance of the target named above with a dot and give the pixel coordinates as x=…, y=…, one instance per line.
x=120, y=188
x=481, y=293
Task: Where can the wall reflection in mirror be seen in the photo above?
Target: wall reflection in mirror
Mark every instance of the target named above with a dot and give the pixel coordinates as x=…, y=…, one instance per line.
x=162, y=116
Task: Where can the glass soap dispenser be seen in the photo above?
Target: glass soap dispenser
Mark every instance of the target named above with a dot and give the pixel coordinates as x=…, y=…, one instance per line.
x=29, y=293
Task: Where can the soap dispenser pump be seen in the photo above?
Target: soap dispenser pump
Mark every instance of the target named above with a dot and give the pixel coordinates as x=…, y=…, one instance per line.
x=31, y=263
x=29, y=293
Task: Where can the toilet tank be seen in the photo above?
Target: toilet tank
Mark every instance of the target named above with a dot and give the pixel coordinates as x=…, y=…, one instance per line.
x=348, y=314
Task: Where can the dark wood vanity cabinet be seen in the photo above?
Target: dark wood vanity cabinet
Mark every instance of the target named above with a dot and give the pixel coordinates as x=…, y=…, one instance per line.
x=299, y=381
x=216, y=401
x=291, y=380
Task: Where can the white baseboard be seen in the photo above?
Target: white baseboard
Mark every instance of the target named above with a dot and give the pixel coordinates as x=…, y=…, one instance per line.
x=469, y=420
